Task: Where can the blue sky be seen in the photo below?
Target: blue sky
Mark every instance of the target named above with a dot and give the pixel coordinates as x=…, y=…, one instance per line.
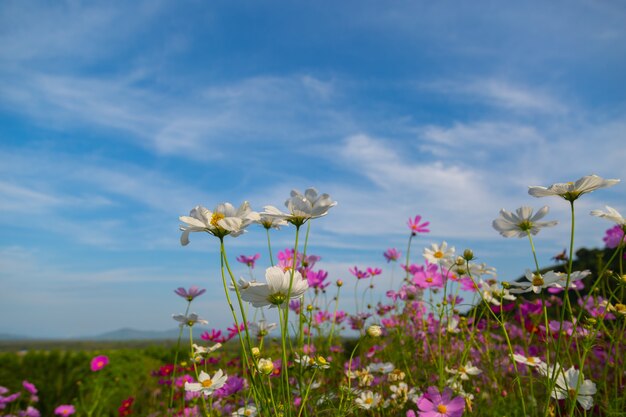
x=118, y=117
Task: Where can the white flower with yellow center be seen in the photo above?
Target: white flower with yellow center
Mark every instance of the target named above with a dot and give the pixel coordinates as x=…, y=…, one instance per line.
x=302, y=207
x=247, y=411
x=494, y=293
x=464, y=371
x=522, y=222
x=368, y=400
x=438, y=254
x=567, y=383
x=570, y=191
x=207, y=385
x=224, y=220
x=527, y=360
x=276, y=292
x=610, y=214
x=537, y=282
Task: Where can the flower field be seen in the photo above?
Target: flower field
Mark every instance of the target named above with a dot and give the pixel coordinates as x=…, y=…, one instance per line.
x=449, y=339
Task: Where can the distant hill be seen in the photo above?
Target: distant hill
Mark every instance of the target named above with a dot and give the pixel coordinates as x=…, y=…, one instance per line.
x=9, y=336
x=134, y=334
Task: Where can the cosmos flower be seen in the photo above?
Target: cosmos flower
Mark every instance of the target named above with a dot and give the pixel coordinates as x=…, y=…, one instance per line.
x=206, y=384
x=392, y=254
x=270, y=222
x=522, y=222
x=610, y=214
x=224, y=220
x=566, y=383
x=247, y=411
x=248, y=260
x=437, y=254
x=416, y=227
x=570, y=191
x=99, y=362
x=190, y=294
x=368, y=400
x=64, y=410
x=435, y=404
x=189, y=320
x=464, y=371
x=527, y=360
x=494, y=293
x=536, y=282
x=301, y=208
x=275, y=292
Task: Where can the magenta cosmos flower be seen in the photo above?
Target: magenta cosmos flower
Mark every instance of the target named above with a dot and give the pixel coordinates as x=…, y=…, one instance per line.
x=191, y=293
x=99, y=362
x=64, y=410
x=248, y=260
x=416, y=227
x=391, y=254
x=435, y=404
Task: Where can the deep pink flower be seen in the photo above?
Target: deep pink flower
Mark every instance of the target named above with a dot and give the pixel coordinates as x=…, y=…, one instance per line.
x=98, y=363
x=416, y=227
x=249, y=260
x=374, y=271
x=190, y=294
x=468, y=285
x=413, y=268
x=392, y=254
x=213, y=336
x=234, y=331
x=428, y=277
x=316, y=279
x=613, y=237
x=29, y=387
x=435, y=404
x=358, y=273
x=64, y=410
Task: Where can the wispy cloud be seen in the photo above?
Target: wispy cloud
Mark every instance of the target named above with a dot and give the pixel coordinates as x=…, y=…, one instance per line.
x=500, y=94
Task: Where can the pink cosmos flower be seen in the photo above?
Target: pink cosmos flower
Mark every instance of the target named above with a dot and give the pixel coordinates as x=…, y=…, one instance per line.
x=191, y=293
x=416, y=227
x=30, y=387
x=316, y=279
x=358, y=273
x=428, y=277
x=97, y=364
x=613, y=237
x=64, y=410
x=374, y=271
x=249, y=260
x=435, y=404
x=392, y=254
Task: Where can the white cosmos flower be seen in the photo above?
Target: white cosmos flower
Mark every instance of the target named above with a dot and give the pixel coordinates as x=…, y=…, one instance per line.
x=494, y=293
x=464, y=371
x=189, y=320
x=270, y=222
x=437, y=254
x=520, y=224
x=276, y=291
x=382, y=367
x=247, y=411
x=572, y=190
x=610, y=214
x=537, y=282
x=566, y=383
x=302, y=207
x=368, y=400
x=206, y=385
x=224, y=220
x=528, y=360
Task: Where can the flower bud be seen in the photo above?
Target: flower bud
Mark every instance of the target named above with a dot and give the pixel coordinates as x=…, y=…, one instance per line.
x=339, y=283
x=256, y=352
x=374, y=330
x=468, y=255
x=265, y=366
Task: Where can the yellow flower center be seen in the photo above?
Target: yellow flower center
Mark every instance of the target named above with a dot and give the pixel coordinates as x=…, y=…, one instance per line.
x=207, y=383
x=462, y=370
x=442, y=409
x=429, y=279
x=530, y=361
x=572, y=392
x=369, y=400
x=537, y=280
x=438, y=254
x=216, y=217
